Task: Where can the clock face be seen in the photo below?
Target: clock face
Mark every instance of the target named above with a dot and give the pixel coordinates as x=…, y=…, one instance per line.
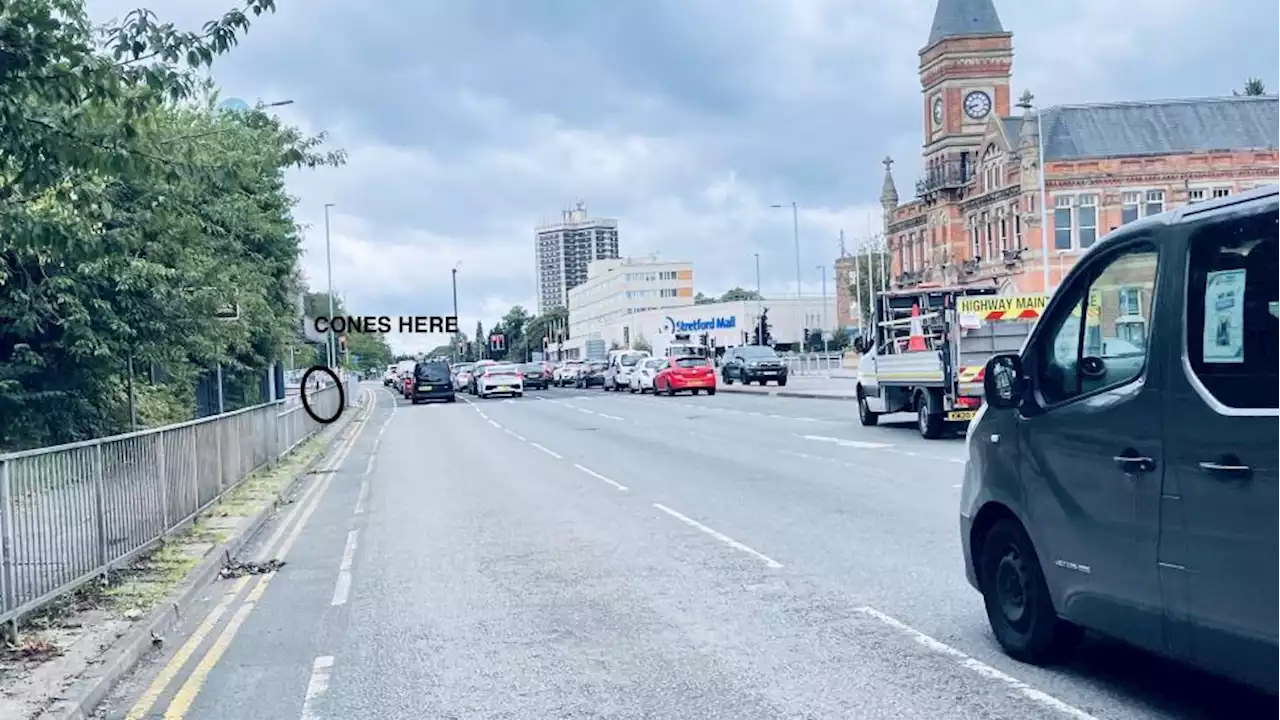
x=977, y=104
x=937, y=111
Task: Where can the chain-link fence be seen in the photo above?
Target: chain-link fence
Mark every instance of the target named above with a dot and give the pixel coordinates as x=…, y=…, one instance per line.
x=69, y=513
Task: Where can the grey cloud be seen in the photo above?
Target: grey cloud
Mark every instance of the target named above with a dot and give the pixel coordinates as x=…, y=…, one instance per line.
x=469, y=121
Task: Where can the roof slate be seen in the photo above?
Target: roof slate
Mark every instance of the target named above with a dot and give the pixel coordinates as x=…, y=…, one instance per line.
x=1161, y=127
x=959, y=18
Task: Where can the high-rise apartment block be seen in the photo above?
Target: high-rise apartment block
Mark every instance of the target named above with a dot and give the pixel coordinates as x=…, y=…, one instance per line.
x=565, y=249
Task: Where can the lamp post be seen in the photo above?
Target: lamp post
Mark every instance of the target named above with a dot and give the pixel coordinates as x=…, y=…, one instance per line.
x=759, y=324
x=822, y=270
x=328, y=261
x=454, y=340
x=795, y=233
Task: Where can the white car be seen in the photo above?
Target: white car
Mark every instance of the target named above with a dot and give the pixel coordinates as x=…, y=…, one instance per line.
x=462, y=377
x=641, y=379
x=389, y=377
x=566, y=373
x=499, y=379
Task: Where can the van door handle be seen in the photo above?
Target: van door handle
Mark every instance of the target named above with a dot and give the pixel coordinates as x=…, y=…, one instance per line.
x=1225, y=469
x=1134, y=463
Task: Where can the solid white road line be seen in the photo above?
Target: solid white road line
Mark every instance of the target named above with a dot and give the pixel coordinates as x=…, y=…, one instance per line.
x=1037, y=696
x=598, y=476
x=317, y=685
x=718, y=535
x=553, y=454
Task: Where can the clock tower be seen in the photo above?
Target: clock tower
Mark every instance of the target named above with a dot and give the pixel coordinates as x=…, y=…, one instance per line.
x=964, y=74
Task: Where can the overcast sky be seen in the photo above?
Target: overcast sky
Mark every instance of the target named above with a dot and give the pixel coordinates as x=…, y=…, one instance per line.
x=468, y=121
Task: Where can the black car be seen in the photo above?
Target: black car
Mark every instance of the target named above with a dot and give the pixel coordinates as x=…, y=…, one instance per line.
x=753, y=363
x=432, y=381
x=591, y=374
x=536, y=377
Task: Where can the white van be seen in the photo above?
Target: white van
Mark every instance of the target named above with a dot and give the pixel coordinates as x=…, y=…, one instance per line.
x=617, y=377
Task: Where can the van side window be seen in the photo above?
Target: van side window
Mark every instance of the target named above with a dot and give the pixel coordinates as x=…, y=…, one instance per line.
x=1231, y=332
x=1110, y=347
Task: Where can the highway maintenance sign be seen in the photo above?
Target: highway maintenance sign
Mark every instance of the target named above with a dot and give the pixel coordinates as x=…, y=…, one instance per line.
x=1007, y=307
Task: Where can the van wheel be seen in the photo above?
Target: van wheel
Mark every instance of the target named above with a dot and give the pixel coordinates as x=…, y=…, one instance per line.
x=865, y=416
x=930, y=423
x=1017, y=600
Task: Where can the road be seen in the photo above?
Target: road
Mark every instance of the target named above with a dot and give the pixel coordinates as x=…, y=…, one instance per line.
x=581, y=554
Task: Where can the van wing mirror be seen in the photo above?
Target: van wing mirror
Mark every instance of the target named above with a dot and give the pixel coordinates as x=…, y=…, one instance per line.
x=1003, y=381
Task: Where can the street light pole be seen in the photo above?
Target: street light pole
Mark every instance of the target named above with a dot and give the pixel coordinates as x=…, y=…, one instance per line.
x=457, y=353
x=825, y=346
x=795, y=231
x=328, y=261
x=759, y=305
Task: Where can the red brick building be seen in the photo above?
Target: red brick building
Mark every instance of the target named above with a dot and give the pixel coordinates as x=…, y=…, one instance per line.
x=980, y=206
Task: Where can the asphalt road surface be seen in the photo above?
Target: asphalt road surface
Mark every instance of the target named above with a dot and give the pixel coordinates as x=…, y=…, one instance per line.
x=582, y=554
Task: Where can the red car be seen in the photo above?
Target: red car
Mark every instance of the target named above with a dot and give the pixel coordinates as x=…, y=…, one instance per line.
x=685, y=373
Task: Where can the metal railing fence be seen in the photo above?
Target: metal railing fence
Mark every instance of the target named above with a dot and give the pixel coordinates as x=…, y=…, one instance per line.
x=813, y=363
x=72, y=512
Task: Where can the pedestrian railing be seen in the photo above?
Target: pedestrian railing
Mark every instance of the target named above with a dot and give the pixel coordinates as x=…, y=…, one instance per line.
x=813, y=363
x=70, y=513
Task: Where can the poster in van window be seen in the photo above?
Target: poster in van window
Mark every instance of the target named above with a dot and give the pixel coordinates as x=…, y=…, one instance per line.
x=1224, y=316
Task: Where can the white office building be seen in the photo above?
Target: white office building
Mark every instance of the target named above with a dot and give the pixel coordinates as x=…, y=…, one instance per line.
x=617, y=289
x=565, y=248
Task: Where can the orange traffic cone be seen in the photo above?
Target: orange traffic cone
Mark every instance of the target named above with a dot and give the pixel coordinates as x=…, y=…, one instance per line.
x=916, y=341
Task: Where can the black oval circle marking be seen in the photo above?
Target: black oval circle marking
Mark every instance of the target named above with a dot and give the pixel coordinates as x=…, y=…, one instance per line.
x=306, y=404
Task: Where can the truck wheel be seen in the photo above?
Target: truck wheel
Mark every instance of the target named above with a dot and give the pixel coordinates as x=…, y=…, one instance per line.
x=865, y=415
x=1017, y=599
x=929, y=422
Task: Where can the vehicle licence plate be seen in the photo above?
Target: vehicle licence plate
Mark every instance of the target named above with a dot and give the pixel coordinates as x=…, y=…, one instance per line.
x=424, y=387
x=504, y=388
x=768, y=372
x=961, y=414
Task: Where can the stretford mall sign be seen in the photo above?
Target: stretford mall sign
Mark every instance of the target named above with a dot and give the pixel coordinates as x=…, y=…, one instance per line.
x=701, y=325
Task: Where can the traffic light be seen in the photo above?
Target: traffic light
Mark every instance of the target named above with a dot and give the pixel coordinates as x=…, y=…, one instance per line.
x=497, y=343
x=702, y=339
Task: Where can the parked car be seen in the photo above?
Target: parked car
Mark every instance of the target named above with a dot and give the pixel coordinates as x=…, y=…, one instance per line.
x=536, y=376
x=694, y=374
x=1134, y=494
x=499, y=379
x=389, y=377
x=617, y=376
x=590, y=374
x=566, y=373
x=641, y=379
x=753, y=363
x=432, y=381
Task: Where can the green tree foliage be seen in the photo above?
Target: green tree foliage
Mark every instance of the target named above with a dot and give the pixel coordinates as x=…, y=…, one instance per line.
x=870, y=280
x=131, y=211
x=1253, y=87
x=700, y=299
x=738, y=293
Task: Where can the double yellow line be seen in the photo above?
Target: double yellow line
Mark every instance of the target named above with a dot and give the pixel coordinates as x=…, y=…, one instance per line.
x=280, y=543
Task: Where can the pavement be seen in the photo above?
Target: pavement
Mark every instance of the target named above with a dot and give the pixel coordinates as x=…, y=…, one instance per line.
x=581, y=554
x=813, y=387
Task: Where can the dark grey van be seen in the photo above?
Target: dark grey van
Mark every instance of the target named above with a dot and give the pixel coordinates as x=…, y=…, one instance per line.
x=1122, y=476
